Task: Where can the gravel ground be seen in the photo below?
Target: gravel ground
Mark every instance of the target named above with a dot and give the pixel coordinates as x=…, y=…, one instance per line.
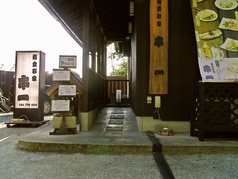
x=20, y=164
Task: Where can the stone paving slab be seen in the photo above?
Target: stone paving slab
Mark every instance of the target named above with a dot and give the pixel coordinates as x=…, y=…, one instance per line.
x=112, y=134
x=117, y=116
x=113, y=128
x=116, y=121
x=117, y=112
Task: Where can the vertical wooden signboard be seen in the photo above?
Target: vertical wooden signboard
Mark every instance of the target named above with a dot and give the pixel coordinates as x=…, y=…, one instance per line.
x=158, y=78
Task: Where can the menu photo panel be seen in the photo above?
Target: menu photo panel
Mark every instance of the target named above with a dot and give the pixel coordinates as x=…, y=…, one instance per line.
x=216, y=30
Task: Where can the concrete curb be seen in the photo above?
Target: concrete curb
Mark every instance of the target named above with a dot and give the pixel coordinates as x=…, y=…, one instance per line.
x=83, y=148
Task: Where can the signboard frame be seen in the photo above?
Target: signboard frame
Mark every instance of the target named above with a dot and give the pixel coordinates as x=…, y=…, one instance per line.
x=67, y=61
x=61, y=75
x=29, y=85
x=67, y=90
x=60, y=105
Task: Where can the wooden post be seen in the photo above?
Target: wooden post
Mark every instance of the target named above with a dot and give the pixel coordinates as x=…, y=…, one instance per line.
x=86, y=46
x=158, y=78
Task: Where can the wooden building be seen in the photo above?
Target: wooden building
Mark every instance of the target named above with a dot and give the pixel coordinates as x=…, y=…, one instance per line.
x=94, y=24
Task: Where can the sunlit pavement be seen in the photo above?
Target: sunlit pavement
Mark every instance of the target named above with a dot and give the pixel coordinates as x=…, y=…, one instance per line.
x=5, y=117
x=127, y=140
x=6, y=114
x=21, y=164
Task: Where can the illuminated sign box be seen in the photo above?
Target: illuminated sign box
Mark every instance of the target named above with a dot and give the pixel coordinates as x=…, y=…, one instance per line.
x=29, y=85
x=27, y=79
x=67, y=61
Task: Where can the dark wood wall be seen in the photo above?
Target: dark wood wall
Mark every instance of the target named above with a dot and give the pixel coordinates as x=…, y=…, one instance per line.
x=182, y=64
x=94, y=52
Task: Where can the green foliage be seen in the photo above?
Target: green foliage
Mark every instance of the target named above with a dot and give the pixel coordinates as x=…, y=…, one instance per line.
x=121, y=70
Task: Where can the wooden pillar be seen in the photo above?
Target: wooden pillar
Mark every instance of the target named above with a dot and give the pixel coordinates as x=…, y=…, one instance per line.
x=86, y=46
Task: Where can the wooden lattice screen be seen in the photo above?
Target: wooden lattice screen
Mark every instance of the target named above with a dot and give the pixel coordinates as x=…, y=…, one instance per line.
x=215, y=108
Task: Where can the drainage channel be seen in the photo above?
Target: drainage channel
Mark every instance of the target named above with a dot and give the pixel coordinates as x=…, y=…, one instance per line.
x=166, y=172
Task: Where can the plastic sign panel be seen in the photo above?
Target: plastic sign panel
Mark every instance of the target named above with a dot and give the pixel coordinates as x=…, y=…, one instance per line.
x=27, y=80
x=61, y=75
x=67, y=90
x=216, y=30
x=60, y=105
x=67, y=61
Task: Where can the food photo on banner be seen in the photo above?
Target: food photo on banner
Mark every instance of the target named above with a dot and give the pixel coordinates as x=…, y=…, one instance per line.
x=216, y=31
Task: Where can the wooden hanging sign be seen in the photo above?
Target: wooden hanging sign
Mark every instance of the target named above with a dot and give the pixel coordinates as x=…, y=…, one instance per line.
x=158, y=77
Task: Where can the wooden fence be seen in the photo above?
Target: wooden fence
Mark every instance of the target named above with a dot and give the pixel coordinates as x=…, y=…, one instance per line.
x=117, y=83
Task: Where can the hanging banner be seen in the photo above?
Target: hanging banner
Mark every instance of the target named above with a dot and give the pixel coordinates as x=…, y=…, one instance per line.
x=216, y=30
x=158, y=77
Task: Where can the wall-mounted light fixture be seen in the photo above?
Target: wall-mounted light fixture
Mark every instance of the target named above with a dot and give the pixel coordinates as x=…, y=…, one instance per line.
x=131, y=13
x=130, y=27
